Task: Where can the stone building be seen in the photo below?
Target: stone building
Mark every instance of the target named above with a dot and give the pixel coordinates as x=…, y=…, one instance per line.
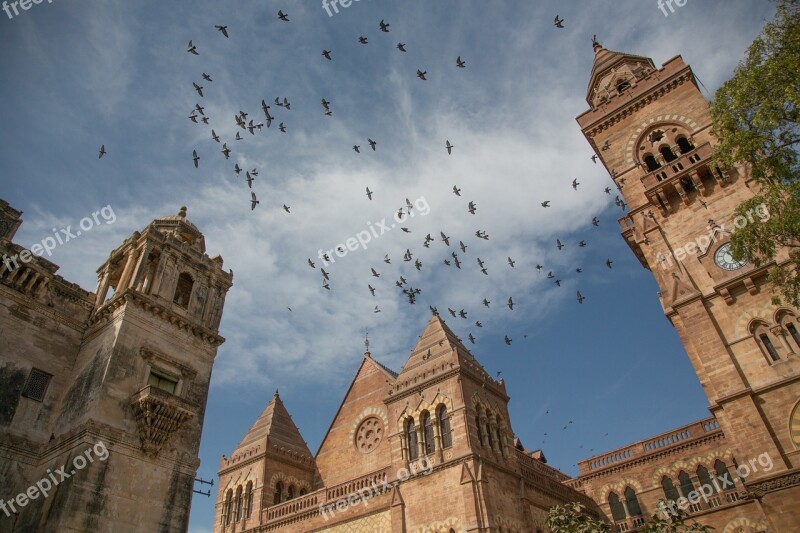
x=102, y=395
x=651, y=129
x=430, y=449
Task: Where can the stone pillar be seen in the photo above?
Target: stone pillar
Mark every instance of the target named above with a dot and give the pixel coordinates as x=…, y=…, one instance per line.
x=133, y=256
x=102, y=288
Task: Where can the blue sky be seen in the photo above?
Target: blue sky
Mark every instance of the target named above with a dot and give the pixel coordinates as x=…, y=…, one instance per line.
x=75, y=75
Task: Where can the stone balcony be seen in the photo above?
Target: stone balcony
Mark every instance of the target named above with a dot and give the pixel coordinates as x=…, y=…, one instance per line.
x=159, y=415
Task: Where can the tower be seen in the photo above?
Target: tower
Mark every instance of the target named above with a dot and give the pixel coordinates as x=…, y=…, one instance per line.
x=651, y=130
x=112, y=383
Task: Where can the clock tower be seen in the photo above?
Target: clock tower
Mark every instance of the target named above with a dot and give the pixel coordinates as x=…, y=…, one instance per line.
x=651, y=129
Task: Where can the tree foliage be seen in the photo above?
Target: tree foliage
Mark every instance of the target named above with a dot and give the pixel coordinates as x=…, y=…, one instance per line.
x=573, y=518
x=756, y=119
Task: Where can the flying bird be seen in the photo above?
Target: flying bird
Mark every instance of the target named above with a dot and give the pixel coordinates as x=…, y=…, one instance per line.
x=253, y=201
x=372, y=144
x=471, y=207
x=327, y=54
x=510, y=303
x=595, y=221
x=384, y=26
x=374, y=273
x=456, y=190
x=363, y=40
x=558, y=22
x=511, y=262
x=198, y=88
x=507, y=340
x=401, y=47
x=609, y=262
x=214, y=135
x=207, y=77
x=546, y=203
x=371, y=289
x=286, y=208
x=222, y=29
x=575, y=184
x=559, y=245
x=192, y=49
x=196, y=158
x=311, y=263
x=357, y=148
x=421, y=74
x=369, y=193
x=102, y=151
x=460, y=63
x=249, y=180
x=449, y=147
x=445, y=238
x=225, y=150
x=580, y=297
x=283, y=16
x=237, y=169
x=282, y=127
x=478, y=324
x=471, y=338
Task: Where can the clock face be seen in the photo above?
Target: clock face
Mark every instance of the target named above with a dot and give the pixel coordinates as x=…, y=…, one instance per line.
x=724, y=258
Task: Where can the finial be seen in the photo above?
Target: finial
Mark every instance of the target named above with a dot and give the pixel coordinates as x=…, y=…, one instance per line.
x=596, y=45
x=366, y=343
x=182, y=212
x=276, y=393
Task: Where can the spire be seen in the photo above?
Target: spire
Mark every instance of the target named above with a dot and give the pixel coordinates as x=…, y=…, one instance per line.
x=275, y=427
x=366, y=343
x=608, y=61
x=595, y=44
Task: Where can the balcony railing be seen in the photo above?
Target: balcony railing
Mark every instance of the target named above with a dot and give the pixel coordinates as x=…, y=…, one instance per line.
x=678, y=167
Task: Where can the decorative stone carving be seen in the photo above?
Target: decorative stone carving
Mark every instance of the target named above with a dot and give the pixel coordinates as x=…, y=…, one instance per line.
x=159, y=415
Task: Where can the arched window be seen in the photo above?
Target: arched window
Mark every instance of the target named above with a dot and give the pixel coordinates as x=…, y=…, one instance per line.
x=667, y=153
x=670, y=492
x=623, y=85
x=633, y=502
x=238, y=503
x=427, y=433
x=499, y=439
x=724, y=478
x=761, y=333
x=489, y=432
x=790, y=327
x=249, y=493
x=302, y=492
x=290, y=493
x=705, y=479
x=480, y=430
x=226, y=508
x=184, y=290
x=444, y=426
x=686, y=483
x=276, y=499
x=617, y=510
x=411, y=438
x=684, y=145
x=651, y=163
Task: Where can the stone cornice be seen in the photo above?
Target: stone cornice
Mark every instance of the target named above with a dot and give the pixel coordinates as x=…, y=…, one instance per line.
x=106, y=312
x=61, y=318
x=641, y=101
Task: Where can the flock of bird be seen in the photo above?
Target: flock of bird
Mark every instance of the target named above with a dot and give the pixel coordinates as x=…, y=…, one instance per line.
x=452, y=259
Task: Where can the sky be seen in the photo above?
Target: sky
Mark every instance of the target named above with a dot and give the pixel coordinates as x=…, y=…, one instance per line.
x=75, y=75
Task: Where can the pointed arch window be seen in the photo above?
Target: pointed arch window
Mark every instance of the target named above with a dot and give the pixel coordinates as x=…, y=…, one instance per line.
x=427, y=433
x=227, y=507
x=238, y=503
x=704, y=478
x=276, y=498
x=480, y=430
x=684, y=145
x=444, y=426
x=724, y=477
x=651, y=163
x=670, y=492
x=411, y=439
x=686, y=483
x=183, y=291
x=667, y=153
x=249, y=493
x=790, y=327
x=617, y=510
x=633, y=502
x=302, y=492
x=290, y=493
x=489, y=432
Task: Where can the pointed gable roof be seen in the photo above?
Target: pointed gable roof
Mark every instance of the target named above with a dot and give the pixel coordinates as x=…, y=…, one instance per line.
x=275, y=427
x=437, y=340
x=605, y=59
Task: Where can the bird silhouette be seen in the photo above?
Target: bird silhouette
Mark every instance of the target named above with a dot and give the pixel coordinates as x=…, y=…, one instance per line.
x=456, y=190
x=449, y=147
x=460, y=63
x=192, y=49
x=103, y=152
x=222, y=29
x=327, y=55
x=558, y=22
x=384, y=26
x=421, y=74
x=283, y=16
x=401, y=47
x=253, y=201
